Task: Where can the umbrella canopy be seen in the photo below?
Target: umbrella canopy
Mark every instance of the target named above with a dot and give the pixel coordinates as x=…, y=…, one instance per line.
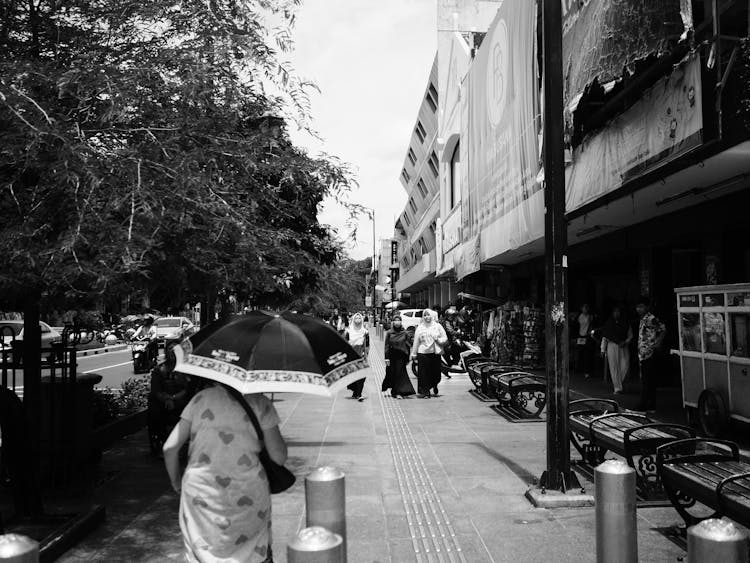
x=266, y=353
x=394, y=305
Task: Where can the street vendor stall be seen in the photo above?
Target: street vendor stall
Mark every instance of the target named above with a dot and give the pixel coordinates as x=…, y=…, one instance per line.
x=714, y=325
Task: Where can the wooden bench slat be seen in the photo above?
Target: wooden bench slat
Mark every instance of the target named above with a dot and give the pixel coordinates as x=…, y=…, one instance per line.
x=714, y=472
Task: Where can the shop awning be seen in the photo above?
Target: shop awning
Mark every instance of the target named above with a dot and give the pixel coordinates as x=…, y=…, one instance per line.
x=480, y=299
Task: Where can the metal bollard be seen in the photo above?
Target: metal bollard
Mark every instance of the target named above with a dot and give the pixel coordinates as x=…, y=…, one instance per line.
x=325, y=501
x=616, y=527
x=15, y=548
x=315, y=545
x=717, y=540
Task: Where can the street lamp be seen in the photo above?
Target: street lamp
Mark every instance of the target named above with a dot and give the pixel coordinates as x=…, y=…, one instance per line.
x=374, y=281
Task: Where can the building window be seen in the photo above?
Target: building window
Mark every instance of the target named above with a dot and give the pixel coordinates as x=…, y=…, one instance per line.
x=432, y=228
x=455, y=185
x=422, y=245
x=412, y=157
x=406, y=219
x=432, y=98
x=405, y=175
x=422, y=188
x=412, y=205
x=433, y=163
x=421, y=133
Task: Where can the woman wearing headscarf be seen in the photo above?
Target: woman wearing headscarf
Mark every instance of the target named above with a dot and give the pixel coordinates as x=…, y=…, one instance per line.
x=359, y=339
x=397, y=346
x=616, y=337
x=429, y=339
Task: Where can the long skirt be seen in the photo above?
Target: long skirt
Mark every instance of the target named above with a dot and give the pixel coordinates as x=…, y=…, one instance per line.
x=618, y=359
x=357, y=387
x=428, y=375
x=396, y=377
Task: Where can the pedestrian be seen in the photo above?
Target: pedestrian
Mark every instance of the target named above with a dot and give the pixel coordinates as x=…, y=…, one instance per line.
x=651, y=332
x=225, y=499
x=170, y=392
x=397, y=346
x=359, y=339
x=584, y=343
x=429, y=339
x=616, y=337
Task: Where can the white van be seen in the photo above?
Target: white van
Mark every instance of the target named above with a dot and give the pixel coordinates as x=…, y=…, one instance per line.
x=410, y=318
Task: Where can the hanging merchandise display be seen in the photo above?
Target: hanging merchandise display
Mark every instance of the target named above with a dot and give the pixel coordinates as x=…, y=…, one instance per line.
x=533, y=332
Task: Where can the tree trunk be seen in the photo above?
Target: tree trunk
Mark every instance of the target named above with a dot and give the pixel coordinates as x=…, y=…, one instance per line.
x=32, y=382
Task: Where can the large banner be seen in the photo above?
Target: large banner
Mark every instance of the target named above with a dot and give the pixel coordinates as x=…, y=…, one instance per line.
x=664, y=123
x=503, y=124
x=601, y=38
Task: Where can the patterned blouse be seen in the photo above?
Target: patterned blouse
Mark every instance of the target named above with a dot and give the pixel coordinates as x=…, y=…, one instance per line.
x=650, y=333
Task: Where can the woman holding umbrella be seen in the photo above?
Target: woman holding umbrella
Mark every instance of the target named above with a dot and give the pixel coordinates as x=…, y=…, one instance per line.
x=225, y=501
x=359, y=339
x=429, y=339
x=397, y=346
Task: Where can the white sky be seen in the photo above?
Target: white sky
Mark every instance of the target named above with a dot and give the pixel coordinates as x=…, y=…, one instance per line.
x=371, y=61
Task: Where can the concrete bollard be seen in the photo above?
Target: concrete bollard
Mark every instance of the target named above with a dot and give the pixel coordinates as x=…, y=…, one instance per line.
x=15, y=548
x=325, y=500
x=717, y=540
x=616, y=527
x=315, y=545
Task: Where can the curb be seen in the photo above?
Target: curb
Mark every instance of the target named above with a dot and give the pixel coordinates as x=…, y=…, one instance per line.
x=95, y=351
x=70, y=533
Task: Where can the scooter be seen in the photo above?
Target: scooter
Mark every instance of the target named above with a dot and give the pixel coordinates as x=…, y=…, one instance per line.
x=144, y=355
x=450, y=366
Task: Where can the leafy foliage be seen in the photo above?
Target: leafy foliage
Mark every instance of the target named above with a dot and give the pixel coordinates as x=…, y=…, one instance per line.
x=108, y=404
x=138, y=152
x=347, y=284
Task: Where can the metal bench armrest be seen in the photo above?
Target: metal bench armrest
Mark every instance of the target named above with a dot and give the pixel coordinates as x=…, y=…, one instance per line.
x=724, y=482
x=663, y=451
x=614, y=406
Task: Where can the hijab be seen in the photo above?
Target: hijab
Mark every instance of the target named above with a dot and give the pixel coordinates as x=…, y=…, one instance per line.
x=357, y=331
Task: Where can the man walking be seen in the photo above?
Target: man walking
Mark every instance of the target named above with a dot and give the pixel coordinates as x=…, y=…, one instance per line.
x=651, y=332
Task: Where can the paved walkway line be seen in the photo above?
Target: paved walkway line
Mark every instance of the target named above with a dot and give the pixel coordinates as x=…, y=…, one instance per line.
x=433, y=536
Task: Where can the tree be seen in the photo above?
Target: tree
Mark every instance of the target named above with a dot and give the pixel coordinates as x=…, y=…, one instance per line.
x=345, y=288
x=134, y=153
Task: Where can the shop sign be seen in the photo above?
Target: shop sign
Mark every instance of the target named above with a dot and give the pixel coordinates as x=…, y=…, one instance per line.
x=664, y=124
x=452, y=231
x=599, y=42
x=394, y=252
x=469, y=259
x=689, y=300
x=502, y=133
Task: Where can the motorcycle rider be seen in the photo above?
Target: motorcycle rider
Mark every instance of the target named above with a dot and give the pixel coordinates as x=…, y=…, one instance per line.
x=147, y=331
x=453, y=330
x=170, y=393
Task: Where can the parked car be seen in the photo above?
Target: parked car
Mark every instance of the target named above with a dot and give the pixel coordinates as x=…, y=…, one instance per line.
x=173, y=329
x=410, y=318
x=13, y=330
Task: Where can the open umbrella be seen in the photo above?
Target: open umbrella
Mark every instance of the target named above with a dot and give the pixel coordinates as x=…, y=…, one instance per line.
x=394, y=305
x=266, y=353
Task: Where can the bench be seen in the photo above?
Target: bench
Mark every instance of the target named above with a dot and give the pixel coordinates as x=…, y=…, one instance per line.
x=475, y=366
x=597, y=426
x=524, y=391
x=708, y=471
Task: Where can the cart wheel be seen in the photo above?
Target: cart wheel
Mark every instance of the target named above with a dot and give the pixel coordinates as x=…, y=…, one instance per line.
x=713, y=417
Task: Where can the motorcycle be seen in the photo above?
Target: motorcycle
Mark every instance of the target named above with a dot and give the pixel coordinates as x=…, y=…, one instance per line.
x=144, y=355
x=451, y=362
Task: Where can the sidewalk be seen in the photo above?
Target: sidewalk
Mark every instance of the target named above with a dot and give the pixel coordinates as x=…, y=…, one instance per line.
x=439, y=480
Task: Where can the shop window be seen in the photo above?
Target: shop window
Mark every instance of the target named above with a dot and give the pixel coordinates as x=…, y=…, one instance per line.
x=691, y=332
x=714, y=337
x=433, y=163
x=740, y=323
x=455, y=179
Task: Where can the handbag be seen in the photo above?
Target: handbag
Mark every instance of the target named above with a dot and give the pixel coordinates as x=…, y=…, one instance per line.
x=279, y=477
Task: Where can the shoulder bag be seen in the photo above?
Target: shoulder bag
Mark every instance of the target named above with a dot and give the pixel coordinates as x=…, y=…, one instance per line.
x=279, y=477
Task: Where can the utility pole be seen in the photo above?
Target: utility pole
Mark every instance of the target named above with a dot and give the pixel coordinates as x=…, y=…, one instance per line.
x=558, y=475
